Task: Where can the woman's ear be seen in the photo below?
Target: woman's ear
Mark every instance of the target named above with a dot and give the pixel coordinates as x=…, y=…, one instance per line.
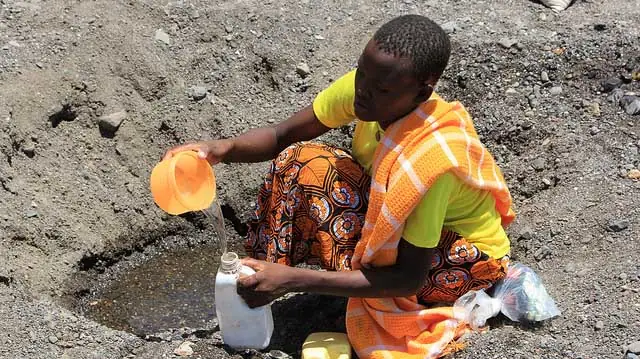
x=424, y=92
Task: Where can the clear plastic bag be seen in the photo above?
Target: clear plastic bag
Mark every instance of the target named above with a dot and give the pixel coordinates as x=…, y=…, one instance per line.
x=520, y=296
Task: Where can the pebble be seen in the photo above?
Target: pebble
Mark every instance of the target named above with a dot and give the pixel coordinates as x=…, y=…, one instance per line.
x=542, y=253
x=631, y=356
x=111, y=122
x=511, y=92
x=539, y=164
x=450, y=27
x=618, y=225
x=594, y=109
x=29, y=149
x=634, y=347
x=507, y=43
x=526, y=234
x=184, y=350
x=53, y=339
x=634, y=174
x=615, y=96
x=162, y=37
x=631, y=105
x=623, y=276
x=570, y=268
x=197, y=92
x=599, y=325
x=555, y=90
x=32, y=213
x=611, y=84
x=544, y=76
x=303, y=69
x=277, y=354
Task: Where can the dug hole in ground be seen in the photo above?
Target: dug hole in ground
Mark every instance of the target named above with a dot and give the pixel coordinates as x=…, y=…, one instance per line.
x=93, y=93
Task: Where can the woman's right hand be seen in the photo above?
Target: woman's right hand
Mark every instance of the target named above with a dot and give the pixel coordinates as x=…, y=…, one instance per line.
x=213, y=151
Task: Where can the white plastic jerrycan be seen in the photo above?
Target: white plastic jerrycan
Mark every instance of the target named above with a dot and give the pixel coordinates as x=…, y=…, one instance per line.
x=241, y=326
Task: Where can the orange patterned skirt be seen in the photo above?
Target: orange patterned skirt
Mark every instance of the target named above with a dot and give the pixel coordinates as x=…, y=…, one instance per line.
x=311, y=209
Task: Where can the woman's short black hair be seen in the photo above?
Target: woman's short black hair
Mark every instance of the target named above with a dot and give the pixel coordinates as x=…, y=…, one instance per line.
x=419, y=39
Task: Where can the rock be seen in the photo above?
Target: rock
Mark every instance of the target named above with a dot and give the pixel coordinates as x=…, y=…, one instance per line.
x=539, y=164
x=111, y=122
x=526, y=234
x=634, y=174
x=594, y=109
x=542, y=253
x=162, y=37
x=544, y=76
x=53, y=339
x=450, y=27
x=594, y=130
x=555, y=90
x=32, y=213
x=615, y=96
x=29, y=149
x=611, y=84
x=570, y=268
x=599, y=325
x=627, y=78
x=507, y=43
x=197, y=92
x=511, y=92
x=184, y=350
x=617, y=225
x=277, y=354
x=303, y=69
x=631, y=104
x=623, y=276
x=631, y=356
x=634, y=347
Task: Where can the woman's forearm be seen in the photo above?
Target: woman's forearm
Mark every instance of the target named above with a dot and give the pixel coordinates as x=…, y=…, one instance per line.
x=255, y=145
x=264, y=143
x=383, y=282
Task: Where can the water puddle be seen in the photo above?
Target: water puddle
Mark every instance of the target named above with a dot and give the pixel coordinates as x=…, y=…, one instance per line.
x=170, y=285
x=171, y=290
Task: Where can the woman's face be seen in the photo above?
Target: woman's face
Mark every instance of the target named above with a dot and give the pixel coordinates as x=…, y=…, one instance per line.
x=386, y=87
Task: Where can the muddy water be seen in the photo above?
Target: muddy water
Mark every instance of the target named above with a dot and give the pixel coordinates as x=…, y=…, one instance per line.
x=170, y=290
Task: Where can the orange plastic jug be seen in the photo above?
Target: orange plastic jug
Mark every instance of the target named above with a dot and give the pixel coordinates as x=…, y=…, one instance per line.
x=183, y=183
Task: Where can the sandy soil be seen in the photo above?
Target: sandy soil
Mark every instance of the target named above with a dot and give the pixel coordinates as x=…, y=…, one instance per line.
x=74, y=196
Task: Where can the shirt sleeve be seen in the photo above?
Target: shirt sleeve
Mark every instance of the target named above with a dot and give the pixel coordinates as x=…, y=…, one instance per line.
x=424, y=224
x=334, y=105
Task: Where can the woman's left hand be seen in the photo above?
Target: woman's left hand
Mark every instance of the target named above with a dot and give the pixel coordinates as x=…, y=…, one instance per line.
x=270, y=282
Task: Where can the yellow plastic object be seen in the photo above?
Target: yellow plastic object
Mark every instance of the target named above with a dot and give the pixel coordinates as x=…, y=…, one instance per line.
x=183, y=183
x=326, y=345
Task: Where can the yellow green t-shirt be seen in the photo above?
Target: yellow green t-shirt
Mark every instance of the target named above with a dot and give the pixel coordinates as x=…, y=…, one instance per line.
x=449, y=203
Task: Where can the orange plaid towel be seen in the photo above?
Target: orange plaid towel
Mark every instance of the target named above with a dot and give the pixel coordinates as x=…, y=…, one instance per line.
x=435, y=138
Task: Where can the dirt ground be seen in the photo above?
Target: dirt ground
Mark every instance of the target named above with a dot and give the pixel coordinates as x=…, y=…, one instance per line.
x=74, y=195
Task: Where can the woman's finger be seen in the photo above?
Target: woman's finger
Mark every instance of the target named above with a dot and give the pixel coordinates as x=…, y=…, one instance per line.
x=253, y=264
x=250, y=281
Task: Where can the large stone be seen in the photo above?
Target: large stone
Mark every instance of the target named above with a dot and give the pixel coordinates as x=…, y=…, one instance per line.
x=111, y=122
